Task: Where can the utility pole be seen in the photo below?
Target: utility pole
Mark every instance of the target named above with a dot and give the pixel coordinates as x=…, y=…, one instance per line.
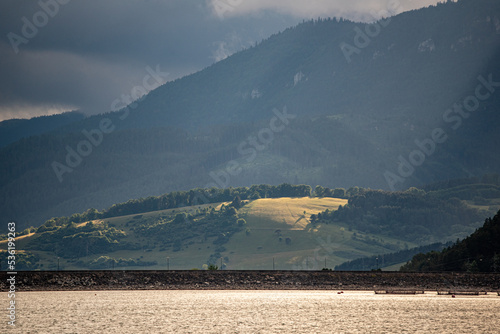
x=273, y=263
x=168, y=263
x=58, y=263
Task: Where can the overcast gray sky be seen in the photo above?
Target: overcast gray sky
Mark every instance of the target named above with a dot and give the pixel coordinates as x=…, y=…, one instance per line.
x=60, y=55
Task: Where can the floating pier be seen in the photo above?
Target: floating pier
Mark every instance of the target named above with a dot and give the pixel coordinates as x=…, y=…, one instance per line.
x=399, y=292
x=462, y=293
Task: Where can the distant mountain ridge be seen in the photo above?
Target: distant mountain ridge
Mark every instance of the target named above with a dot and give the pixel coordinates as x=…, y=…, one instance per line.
x=14, y=129
x=366, y=122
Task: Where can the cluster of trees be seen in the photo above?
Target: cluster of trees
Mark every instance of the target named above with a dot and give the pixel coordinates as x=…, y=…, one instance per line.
x=183, y=229
x=320, y=191
x=413, y=215
x=70, y=241
x=478, y=252
x=203, y=225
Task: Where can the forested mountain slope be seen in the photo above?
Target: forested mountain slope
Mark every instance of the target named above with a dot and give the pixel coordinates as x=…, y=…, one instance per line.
x=328, y=102
x=478, y=252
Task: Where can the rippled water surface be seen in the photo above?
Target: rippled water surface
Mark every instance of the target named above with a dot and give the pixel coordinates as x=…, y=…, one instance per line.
x=250, y=312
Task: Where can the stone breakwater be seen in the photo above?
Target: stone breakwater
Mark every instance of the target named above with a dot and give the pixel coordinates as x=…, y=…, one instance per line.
x=248, y=280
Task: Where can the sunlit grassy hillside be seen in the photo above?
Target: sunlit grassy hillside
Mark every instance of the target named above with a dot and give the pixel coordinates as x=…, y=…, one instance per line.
x=277, y=232
x=273, y=222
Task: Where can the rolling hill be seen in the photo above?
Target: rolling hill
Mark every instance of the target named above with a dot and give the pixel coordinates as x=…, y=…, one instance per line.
x=263, y=227
x=275, y=229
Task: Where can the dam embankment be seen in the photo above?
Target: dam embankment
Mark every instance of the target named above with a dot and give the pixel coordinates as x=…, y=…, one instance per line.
x=247, y=280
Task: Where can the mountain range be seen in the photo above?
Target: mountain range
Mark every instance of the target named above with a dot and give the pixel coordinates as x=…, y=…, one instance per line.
x=408, y=100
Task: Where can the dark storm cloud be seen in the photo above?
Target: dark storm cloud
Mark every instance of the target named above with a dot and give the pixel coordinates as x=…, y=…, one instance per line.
x=91, y=52
x=85, y=54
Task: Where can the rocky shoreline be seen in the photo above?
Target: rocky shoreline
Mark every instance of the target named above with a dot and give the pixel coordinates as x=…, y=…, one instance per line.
x=247, y=280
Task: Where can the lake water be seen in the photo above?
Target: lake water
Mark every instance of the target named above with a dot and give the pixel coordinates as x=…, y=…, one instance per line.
x=250, y=312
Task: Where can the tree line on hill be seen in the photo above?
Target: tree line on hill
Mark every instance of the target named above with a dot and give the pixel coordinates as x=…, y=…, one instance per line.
x=373, y=211
x=413, y=215
x=180, y=199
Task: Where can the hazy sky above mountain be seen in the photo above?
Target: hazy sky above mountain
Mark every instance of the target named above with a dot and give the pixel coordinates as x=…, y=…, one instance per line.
x=59, y=55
